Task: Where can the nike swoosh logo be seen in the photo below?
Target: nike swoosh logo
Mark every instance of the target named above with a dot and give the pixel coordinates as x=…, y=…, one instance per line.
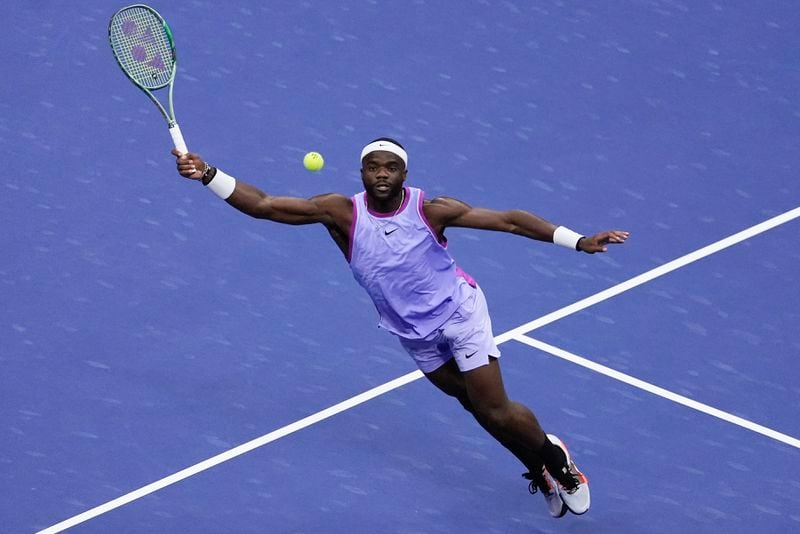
x=471, y=355
x=393, y=230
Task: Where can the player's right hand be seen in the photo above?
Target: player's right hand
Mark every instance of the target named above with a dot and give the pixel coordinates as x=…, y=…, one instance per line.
x=189, y=165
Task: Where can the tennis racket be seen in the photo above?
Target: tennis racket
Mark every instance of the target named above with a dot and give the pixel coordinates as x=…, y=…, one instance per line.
x=145, y=51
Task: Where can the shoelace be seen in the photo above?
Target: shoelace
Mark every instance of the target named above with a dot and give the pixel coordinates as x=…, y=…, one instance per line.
x=574, y=479
x=536, y=483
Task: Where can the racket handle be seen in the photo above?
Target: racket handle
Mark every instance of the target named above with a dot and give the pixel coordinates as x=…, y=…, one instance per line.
x=177, y=138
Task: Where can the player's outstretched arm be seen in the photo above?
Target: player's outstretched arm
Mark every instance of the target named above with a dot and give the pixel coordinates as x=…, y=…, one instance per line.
x=443, y=212
x=248, y=199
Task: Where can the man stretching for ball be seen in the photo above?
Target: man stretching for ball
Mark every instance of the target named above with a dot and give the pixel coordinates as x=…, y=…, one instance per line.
x=393, y=238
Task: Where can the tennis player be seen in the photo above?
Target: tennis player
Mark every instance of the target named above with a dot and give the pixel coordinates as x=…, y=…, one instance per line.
x=394, y=240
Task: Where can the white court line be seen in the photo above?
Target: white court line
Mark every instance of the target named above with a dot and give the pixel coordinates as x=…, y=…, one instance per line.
x=515, y=333
x=655, y=390
x=652, y=274
x=233, y=453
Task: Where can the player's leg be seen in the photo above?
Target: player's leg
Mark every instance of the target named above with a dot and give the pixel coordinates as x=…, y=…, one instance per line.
x=463, y=347
x=513, y=421
x=449, y=380
x=434, y=358
x=468, y=335
x=518, y=425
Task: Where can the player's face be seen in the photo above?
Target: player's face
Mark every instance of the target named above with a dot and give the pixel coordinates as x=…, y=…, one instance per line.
x=383, y=174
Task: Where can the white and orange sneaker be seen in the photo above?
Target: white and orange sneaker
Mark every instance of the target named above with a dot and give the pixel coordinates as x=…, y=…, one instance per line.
x=543, y=482
x=576, y=496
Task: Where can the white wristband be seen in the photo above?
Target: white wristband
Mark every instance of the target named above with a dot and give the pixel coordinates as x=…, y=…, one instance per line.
x=222, y=185
x=565, y=237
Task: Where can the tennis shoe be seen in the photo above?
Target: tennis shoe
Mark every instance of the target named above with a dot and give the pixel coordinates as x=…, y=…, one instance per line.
x=575, y=493
x=543, y=482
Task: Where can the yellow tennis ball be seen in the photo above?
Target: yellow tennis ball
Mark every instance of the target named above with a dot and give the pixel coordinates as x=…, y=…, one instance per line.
x=313, y=161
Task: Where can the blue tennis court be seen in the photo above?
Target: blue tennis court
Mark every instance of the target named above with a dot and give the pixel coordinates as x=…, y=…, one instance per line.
x=170, y=365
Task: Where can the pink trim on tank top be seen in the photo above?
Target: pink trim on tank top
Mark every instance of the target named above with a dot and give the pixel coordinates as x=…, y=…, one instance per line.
x=385, y=215
x=459, y=271
x=463, y=274
x=352, y=229
x=421, y=211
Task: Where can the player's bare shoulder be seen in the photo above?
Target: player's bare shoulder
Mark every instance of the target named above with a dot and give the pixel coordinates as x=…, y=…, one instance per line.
x=333, y=201
x=338, y=217
x=441, y=211
x=338, y=207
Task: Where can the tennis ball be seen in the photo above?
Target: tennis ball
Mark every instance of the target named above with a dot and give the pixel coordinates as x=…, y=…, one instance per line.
x=313, y=161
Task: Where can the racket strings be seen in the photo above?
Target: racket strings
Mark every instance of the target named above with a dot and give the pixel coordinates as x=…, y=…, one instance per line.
x=141, y=43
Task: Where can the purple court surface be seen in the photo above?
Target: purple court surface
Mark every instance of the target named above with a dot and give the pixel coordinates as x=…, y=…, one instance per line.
x=170, y=365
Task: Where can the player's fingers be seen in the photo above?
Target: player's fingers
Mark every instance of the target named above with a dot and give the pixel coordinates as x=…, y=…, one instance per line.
x=189, y=169
x=619, y=236
x=186, y=169
x=187, y=165
x=613, y=237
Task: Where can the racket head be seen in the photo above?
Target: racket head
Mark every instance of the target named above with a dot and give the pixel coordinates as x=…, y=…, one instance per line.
x=142, y=43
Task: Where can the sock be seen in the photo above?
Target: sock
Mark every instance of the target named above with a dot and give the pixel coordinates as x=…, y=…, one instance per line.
x=556, y=463
x=535, y=466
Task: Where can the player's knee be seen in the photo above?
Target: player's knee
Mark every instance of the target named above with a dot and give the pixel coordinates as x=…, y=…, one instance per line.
x=459, y=392
x=495, y=417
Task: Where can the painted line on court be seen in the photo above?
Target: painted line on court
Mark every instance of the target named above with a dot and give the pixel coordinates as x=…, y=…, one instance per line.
x=656, y=390
x=652, y=274
x=517, y=334
x=233, y=453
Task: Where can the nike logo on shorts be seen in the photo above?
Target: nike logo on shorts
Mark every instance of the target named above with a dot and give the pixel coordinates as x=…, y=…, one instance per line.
x=471, y=355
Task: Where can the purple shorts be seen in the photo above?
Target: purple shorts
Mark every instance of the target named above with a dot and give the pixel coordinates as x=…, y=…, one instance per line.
x=466, y=336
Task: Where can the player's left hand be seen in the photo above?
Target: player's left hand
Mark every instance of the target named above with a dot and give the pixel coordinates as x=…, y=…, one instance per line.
x=599, y=242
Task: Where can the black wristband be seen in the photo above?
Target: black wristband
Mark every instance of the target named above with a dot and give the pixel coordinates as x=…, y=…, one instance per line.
x=208, y=174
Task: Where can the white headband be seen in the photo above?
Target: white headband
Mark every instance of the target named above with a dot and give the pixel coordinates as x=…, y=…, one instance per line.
x=386, y=146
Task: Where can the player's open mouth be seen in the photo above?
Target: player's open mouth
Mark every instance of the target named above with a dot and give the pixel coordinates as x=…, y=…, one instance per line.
x=382, y=187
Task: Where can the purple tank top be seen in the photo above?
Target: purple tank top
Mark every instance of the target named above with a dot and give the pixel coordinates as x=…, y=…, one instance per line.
x=412, y=279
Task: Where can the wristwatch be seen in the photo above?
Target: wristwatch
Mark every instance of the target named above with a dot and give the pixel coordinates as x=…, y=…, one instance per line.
x=208, y=173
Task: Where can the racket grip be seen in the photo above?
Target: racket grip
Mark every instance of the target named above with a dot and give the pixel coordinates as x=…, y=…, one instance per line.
x=177, y=138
